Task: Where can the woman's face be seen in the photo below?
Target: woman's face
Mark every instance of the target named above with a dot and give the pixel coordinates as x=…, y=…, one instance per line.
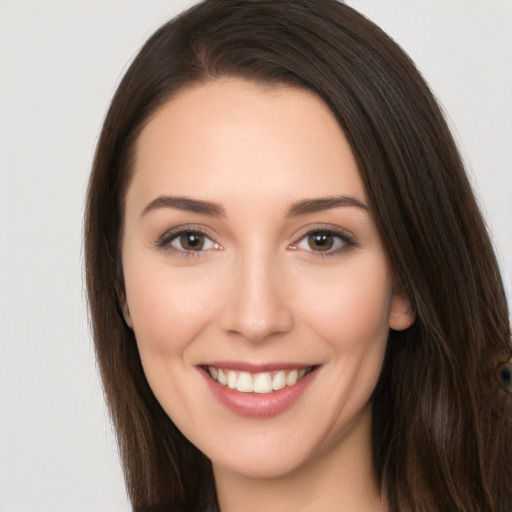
x=252, y=262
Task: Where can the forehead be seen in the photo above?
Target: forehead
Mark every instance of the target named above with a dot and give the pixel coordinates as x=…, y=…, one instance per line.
x=234, y=137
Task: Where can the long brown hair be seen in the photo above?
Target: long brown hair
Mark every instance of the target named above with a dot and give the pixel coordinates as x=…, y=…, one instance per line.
x=442, y=430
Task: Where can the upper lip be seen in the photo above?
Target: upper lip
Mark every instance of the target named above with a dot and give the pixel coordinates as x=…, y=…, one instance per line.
x=243, y=366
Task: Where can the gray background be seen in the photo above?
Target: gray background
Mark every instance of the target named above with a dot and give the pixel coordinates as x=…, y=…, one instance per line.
x=59, y=65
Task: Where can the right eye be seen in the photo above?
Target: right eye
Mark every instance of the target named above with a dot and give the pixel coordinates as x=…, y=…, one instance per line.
x=192, y=241
x=189, y=242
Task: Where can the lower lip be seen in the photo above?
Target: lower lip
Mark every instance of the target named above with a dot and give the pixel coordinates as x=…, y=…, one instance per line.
x=255, y=405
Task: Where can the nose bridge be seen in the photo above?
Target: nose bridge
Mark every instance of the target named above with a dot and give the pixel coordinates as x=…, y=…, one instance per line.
x=257, y=307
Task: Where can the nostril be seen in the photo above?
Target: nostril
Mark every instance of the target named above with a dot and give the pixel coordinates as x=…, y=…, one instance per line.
x=256, y=318
x=256, y=305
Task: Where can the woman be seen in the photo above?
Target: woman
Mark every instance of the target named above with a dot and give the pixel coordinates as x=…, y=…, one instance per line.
x=294, y=298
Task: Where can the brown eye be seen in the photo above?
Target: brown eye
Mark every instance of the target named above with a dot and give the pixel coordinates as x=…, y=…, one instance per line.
x=191, y=241
x=325, y=242
x=183, y=241
x=320, y=241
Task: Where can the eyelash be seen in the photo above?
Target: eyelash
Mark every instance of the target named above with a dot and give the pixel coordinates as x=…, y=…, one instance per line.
x=346, y=241
x=165, y=241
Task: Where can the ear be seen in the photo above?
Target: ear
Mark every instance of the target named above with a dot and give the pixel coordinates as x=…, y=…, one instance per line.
x=401, y=315
x=126, y=314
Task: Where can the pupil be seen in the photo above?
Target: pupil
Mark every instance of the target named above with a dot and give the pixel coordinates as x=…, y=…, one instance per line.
x=320, y=241
x=192, y=241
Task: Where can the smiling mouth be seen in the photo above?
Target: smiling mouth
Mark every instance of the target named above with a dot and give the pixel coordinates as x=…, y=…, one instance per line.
x=257, y=383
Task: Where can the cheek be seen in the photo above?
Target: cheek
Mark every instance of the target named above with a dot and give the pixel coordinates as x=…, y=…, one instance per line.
x=351, y=316
x=352, y=310
x=168, y=309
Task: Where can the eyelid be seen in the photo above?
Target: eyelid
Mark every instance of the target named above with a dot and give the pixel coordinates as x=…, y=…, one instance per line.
x=336, y=231
x=164, y=241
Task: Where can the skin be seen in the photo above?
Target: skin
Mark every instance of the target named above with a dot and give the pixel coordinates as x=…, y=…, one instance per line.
x=260, y=291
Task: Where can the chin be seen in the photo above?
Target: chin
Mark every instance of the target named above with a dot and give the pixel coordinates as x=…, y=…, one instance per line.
x=262, y=465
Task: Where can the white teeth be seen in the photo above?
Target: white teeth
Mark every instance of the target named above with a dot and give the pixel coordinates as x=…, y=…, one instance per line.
x=245, y=383
x=221, y=377
x=279, y=380
x=291, y=378
x=262, y=383
x=231, y=379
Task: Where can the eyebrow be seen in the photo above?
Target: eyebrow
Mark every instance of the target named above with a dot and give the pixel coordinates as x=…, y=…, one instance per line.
x=186, y=204
x=216, y=210
x=324, y=203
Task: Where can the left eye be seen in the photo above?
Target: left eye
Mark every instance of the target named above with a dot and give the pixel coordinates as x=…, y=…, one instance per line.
x=322, y=241
x=192, y=241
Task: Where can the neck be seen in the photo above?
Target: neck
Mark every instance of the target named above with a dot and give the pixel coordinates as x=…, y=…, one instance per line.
x=341, y=478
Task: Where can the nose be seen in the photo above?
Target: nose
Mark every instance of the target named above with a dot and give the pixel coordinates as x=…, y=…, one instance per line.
x=256, y=307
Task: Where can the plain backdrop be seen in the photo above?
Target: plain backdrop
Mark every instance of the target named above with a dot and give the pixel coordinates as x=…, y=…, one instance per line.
x=60, y=62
